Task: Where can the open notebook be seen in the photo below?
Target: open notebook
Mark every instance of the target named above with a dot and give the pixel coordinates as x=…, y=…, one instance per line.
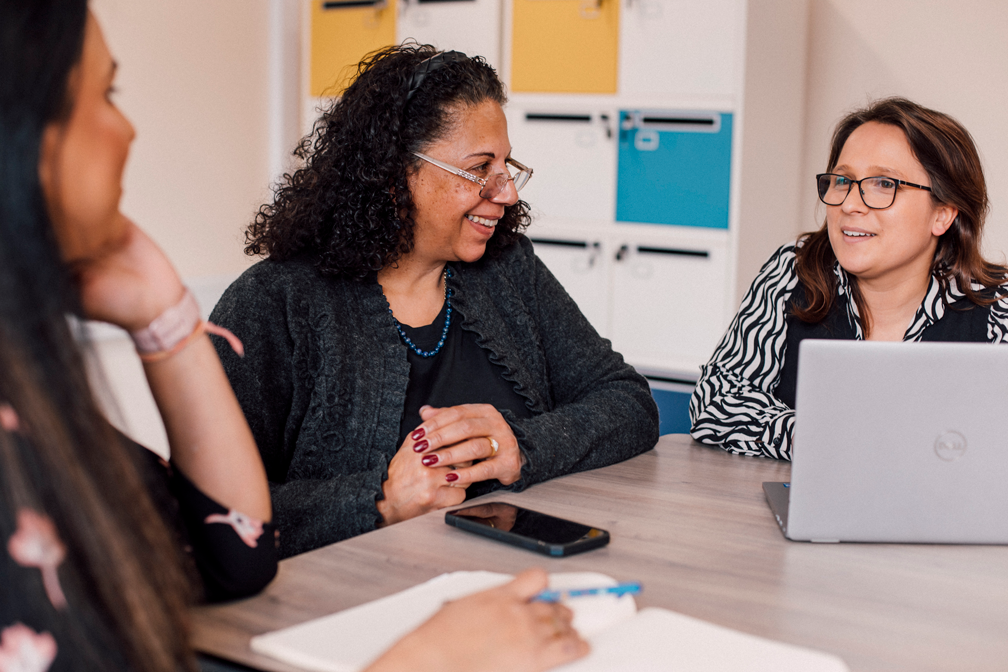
x=621, y=637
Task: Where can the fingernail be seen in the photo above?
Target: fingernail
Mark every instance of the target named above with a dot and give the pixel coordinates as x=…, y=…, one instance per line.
x=428, y=460
x=418, y=434
x=420, y=446
x=451, y=477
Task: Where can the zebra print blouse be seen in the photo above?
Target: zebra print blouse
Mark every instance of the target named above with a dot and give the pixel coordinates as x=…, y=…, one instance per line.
x=734, y=404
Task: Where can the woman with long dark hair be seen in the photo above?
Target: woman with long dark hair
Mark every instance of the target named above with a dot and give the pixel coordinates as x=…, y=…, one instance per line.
x=406, y=347
x=897, y=259
x=102, y=547
x=94, y=527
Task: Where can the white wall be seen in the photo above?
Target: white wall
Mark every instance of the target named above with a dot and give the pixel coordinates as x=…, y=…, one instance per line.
x=772, y=180
x=193, y=80
x=951, y=56
x=211, y=88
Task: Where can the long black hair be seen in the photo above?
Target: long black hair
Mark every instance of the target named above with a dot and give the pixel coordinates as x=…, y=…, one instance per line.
x=349, y=206
x=123, y=577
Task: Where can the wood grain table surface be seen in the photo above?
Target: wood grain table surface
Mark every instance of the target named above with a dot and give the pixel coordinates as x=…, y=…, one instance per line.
x=691, y=523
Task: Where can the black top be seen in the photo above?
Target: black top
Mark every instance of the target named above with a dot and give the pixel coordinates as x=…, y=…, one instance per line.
x=48, y=616
x=460, y=373
x=963, y=321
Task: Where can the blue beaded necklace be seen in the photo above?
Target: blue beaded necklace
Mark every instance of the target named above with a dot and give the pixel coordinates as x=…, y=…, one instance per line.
x=444, y=332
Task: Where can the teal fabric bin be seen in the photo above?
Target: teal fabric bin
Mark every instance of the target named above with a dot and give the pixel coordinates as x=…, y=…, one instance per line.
x=674, y=168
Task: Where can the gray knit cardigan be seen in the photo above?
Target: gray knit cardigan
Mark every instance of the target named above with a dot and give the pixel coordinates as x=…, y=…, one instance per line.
x=323, y=383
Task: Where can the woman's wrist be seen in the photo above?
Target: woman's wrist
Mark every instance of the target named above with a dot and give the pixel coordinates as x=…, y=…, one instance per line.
x=172, y=327
x=385, y=509
x=413, y=652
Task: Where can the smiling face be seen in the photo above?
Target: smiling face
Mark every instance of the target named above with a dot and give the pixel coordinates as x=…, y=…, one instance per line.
x=82, y=157
x=453, y=223
x=886, y=248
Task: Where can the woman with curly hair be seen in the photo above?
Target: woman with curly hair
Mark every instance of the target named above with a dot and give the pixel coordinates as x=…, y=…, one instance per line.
x=897, y=259
x=405, y=346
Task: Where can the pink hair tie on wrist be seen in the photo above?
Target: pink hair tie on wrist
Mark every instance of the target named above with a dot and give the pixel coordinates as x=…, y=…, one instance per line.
x=174, y=329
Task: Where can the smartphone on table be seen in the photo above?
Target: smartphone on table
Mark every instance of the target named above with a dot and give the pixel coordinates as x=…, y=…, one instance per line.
x=527, y=529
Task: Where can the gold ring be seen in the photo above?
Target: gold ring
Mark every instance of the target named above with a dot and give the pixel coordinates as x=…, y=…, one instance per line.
x=494, y=445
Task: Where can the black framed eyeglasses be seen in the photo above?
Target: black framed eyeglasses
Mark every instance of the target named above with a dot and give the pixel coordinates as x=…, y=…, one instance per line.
x=878, y=192
x=492, y=186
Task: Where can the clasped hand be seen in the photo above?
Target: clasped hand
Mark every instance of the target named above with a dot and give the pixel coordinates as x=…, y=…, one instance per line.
x=451, y=449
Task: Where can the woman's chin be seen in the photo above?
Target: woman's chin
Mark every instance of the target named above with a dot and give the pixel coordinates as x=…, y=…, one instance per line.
x=856, y=262
x=863, y=269
x=472, y=253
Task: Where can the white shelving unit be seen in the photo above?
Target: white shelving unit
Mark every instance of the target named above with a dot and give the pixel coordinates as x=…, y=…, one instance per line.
x=662, y=293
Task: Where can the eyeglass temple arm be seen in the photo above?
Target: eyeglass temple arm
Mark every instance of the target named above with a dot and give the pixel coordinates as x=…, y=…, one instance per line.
x=519, y=166
x=911, y=184
x=451, y=169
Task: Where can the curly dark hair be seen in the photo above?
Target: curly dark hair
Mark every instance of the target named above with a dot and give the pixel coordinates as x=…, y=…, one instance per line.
x=339, y=207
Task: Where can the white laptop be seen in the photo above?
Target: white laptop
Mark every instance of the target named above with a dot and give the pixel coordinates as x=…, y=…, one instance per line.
x=898, y=442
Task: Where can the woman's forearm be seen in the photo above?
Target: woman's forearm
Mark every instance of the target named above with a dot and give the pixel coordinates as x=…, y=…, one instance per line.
x=209, y=438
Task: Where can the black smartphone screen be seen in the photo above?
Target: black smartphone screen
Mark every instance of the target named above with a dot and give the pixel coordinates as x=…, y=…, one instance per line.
x=530, y=529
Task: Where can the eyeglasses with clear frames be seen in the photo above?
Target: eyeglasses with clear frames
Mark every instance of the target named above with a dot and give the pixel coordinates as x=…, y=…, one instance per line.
x=491, y=187
x=878, y=192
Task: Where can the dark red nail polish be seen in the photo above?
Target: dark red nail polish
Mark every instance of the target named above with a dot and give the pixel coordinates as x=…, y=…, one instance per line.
x=420, y=446
x=451, y=477
x=428, y=460
x=418, y=434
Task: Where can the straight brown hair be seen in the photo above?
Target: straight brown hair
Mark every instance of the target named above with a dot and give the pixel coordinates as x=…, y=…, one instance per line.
x=949, y=156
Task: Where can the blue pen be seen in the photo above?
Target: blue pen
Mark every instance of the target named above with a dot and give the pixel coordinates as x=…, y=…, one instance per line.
x=618, y=590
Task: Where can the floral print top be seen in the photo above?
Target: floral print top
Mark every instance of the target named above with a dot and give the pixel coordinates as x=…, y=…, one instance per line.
x=236, y=555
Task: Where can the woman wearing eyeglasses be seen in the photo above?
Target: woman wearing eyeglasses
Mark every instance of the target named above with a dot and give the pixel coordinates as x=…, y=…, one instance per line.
x=404, y=345
x=897, y=259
